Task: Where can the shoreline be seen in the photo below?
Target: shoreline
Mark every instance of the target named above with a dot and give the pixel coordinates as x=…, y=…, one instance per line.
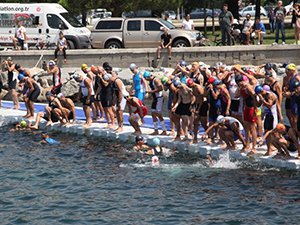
x=201, y=149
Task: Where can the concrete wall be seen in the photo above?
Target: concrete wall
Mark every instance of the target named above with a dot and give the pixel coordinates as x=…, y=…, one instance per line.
x=255, y=55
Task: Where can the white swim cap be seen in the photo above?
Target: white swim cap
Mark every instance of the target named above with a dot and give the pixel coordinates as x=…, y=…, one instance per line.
x=220, y=119
x=132, y=66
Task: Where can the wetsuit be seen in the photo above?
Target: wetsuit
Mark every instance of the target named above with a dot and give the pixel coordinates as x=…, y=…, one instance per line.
x=157, y=150
x=273, y=90
x=121, y=101
x=56, y=79
x=249, y=113
x=12, y=83
x=214, y=106
x=36, y=92
x=157, y=102
x=271, y=117
x=85, y=93
x=183, y=109
x=96, y=86
x=293, y=98
x=107, y=95
x=54, y=118
x=139, y=86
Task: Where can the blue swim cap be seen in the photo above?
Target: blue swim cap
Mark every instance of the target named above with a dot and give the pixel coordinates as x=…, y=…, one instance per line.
x=20, y=77
x=155, y=141
x=146, y=74
x=217, y=82
x=258, y=89
x=176, y=82
x=296, y=84
x=182, y=62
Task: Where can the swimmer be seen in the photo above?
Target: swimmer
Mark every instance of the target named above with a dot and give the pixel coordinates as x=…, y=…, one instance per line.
x=282, y=138
x=47, y=140
x=19, y=126
x=140, y=144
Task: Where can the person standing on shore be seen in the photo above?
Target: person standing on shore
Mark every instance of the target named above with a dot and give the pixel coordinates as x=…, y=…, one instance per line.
x=55, y=71
x=12, y=81
x=187, y=23
x=280, y=13
x=225, y=21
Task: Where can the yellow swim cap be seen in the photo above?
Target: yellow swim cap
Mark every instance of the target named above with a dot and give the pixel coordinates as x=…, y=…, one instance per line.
x=23, y=123
x=291, y=66
x=84, y=66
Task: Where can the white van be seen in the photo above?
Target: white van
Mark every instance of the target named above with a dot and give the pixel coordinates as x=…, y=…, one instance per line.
x=40, y=20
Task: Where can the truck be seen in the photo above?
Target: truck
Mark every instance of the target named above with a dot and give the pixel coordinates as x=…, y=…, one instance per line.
x=138, y=33
x=42, y=20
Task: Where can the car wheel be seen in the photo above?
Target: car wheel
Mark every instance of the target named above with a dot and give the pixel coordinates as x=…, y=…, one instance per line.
x=181, y=43
x=113, y=45
x=71, y=45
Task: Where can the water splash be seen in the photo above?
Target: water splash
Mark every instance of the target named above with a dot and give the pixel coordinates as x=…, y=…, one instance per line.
x=224, y=162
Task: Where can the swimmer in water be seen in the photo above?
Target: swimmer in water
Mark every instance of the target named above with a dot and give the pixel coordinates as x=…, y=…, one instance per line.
x=47, y=140
x=140, y=145
x=19, y=126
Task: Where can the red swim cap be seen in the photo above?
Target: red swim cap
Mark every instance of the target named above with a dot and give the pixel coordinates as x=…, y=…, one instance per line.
x=280, y=127
x=94, y=69
x=189, y=82
x=211, y=80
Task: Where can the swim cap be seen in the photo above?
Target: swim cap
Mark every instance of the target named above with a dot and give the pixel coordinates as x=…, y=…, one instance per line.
x=217, y=82
x=211, y=80
x=94, y=69
x=23, y=123
x=220, y=119
x=245, y=69
x=155, y=141
x=189, y=82
x=146, y=74
x=196, y=64
x=266, y=87
x=237, y=66
x=20, y=77
x=164, y=79
x=239, y=78
x=291, y=66
x=296, y=84
x=132, y=66
x=268, y=66
x=258, y=89
x=245, y=78
x=219, y=65
x=139, y=138
x=182, y=62
x=51, y=63
x=76, y=76
x=17, y=66
x=84, y=66
x=9, y=59
x=176, y=82
x=108, y=68
x=107, y=76
x=280, y=127
x=60, y=95
x=155, y=160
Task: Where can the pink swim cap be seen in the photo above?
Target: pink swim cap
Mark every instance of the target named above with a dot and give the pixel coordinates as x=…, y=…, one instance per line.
x=245, y=78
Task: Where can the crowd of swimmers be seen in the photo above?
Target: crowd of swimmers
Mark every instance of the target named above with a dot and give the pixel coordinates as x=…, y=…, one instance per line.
x=230, y=103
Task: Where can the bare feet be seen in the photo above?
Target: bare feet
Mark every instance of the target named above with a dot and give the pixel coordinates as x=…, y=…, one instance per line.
x=86, y=125
x=16, y=107
x=195, y=141
x=26, y=116
x=164, y=133
x=172, y=133
x=48, y=123
x=137, y=133
x=119, y=129
x=155, y=132
x=177, y=138
x=30, y=117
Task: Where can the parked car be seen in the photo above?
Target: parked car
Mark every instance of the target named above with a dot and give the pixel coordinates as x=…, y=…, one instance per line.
x=171, y=13
x=139, y=13
x=199, y=13
x=138, y=33
x=250, y=9
x=289, y=8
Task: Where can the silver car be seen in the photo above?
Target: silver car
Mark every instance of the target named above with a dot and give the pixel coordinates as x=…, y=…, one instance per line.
x=250, y=9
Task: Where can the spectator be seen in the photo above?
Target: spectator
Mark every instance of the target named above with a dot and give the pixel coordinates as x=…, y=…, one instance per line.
x=225, y=21
x=166, y=42
x=187, y=23
x=271, y=16
x=20, y=36
x=296, y=13
x=167, y=17
x=62, y=45
x=247, y=29
x=260, y=30
x=280, y=13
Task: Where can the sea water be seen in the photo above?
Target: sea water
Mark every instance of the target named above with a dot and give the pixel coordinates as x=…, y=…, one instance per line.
x=95, y=181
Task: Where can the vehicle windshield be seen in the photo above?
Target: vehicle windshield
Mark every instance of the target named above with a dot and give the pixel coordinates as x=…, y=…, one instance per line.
x=167, y=24
x=71, y=19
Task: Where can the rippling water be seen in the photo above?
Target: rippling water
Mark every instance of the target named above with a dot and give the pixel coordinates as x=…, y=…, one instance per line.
x=93, y=181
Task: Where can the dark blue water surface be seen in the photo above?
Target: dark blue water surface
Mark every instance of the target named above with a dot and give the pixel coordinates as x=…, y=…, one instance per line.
x=95, y=181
